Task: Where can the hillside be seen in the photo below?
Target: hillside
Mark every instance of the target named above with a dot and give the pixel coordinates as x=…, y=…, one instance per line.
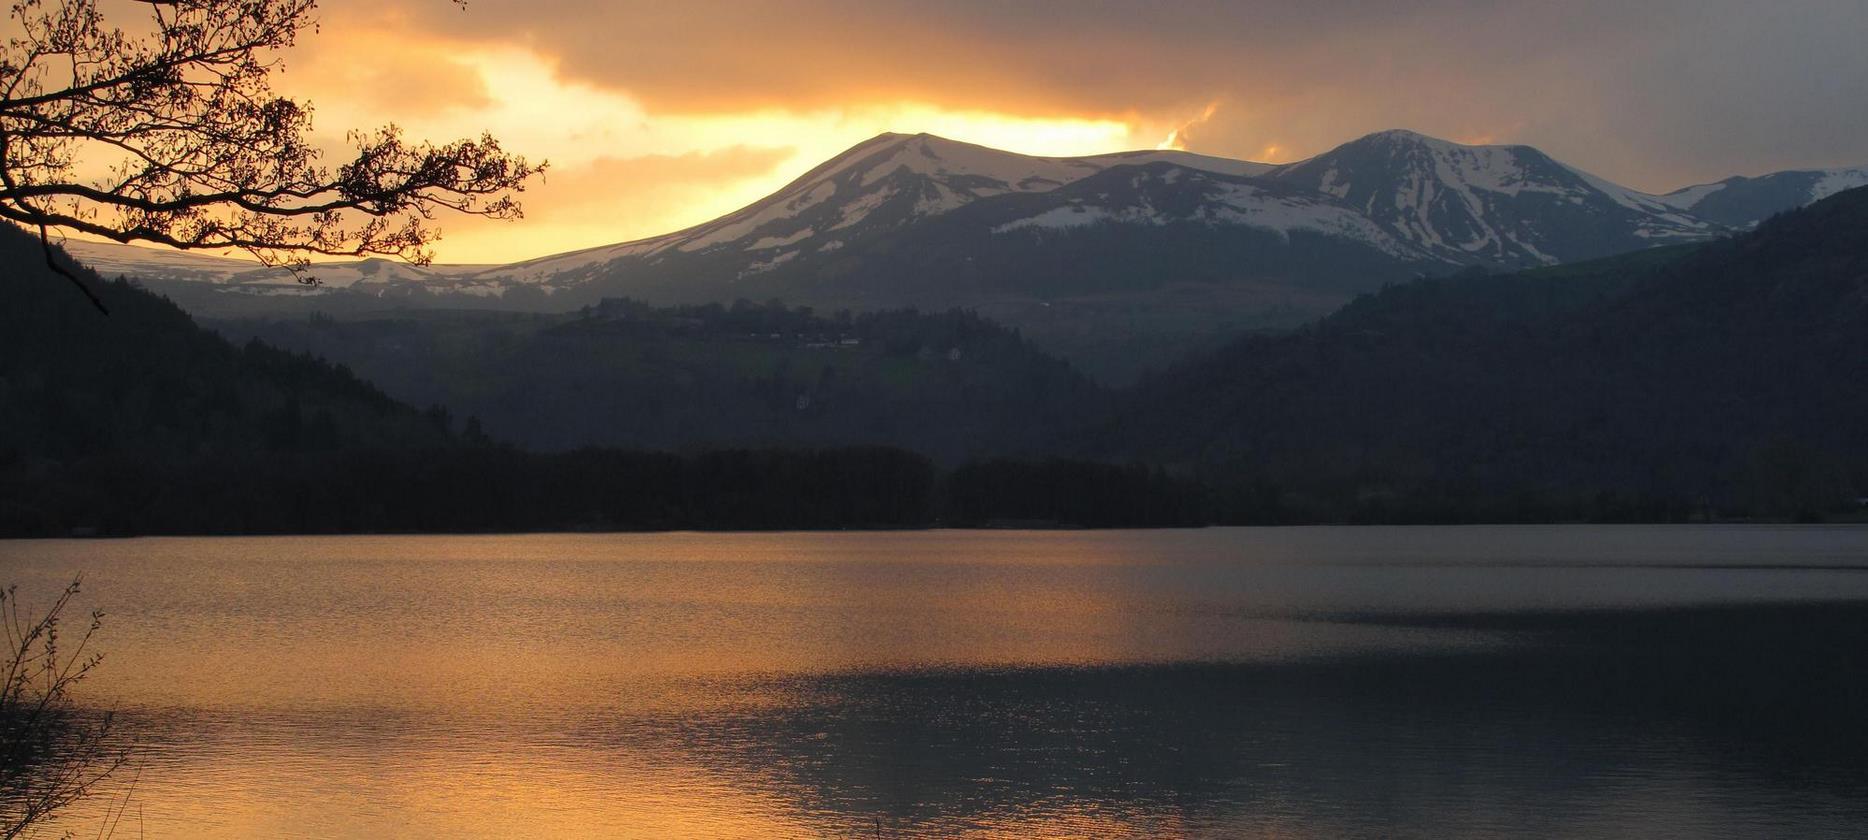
x=1724, y=378
x=145, y=378
x=96, y=409
x=142, y=422
x=626, y=374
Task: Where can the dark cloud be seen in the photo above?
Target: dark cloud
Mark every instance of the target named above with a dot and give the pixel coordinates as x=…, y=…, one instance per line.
x=1656, y=93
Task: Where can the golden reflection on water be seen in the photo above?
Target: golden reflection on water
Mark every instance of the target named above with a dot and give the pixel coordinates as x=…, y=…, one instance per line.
x=759, y=685
x=577, y=621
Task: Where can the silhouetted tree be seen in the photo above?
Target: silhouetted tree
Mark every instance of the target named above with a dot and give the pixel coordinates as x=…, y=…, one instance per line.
x=199, y=152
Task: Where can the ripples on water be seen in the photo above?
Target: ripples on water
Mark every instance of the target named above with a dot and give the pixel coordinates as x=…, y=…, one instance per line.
x=1282, y=682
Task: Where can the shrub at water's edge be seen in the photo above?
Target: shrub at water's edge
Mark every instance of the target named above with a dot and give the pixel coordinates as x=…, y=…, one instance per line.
x=52, y=753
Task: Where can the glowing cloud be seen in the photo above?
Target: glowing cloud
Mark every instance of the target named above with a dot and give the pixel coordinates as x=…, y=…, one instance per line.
x=622, y=171
x=1177, y=139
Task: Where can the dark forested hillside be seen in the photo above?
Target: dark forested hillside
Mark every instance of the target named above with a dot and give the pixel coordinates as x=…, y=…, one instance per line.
x=142, y=422
x=1725, y=379
x=145, y=379
x=99, y=413
x=949, y=385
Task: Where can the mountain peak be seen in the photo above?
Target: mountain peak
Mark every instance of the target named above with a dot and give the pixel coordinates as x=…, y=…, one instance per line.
x=1406, y=138
x=1503, y=205
x=918, y=140
x=1402, y=136
x=1398, y=134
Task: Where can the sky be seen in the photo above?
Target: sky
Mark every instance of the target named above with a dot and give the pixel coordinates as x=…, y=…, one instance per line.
x=656, y=115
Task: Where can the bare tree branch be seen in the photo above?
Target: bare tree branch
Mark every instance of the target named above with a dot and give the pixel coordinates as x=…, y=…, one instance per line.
x=199, y=152
x=51, y=262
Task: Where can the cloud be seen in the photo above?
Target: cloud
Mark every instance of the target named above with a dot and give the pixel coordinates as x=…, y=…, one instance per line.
x=617, y=199
x=605, y=180
x=1181, y=135
x=1086, y=57
x=658, y=115
x=1653, y=92
x=399, y=76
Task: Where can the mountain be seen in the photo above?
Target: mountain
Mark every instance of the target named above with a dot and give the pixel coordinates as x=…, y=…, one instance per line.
x=1117, y=262
x=1742, y=202
x=886, y=183
x=1415, y=198
x=1503, y=206
x=1721, y=378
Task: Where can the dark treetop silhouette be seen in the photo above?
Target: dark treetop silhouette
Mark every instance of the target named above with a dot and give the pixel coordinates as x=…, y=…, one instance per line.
x=197, y=149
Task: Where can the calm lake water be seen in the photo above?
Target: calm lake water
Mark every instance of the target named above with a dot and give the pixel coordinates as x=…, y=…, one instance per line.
x=1301, y=682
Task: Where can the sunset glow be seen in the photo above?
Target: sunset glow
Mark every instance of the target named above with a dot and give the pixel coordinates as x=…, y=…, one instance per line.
x=967, y=420
x=620, y=171
x=656, y=118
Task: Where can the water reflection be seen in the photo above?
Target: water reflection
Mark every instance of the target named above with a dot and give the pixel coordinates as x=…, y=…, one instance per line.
x=1291, y=683
x=1706, y=722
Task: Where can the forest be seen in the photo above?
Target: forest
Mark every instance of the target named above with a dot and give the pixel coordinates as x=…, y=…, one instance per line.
x=950, y=385
x=1712, y=382
x=142, y=422
x=1715, y=382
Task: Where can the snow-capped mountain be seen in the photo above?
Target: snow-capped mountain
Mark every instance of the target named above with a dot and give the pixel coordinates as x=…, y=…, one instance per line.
x=886, y=182
x=1742, y=202
x=882, y=184
x=1414, y=198
x=1196, y=244
x=1498, y=205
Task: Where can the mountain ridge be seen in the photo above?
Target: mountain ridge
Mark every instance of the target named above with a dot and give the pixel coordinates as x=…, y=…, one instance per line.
x=1120, y=263
x=1049, y=172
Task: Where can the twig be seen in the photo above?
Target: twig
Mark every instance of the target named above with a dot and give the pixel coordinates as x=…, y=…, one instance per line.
x=45, y=244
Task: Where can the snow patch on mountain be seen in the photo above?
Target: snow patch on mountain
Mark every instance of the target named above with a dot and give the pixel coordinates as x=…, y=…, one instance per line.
x=1836, y=180
x=1188, y=160
x=1224, y=202
x=945, y=159
x=1075, y=215
x=1672, y=224
x=1684, y=199
x=770, y=242
x=111, y=259
x=767, y=265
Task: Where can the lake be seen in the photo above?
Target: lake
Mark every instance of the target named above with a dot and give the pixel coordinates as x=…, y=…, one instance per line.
x=1702, y=681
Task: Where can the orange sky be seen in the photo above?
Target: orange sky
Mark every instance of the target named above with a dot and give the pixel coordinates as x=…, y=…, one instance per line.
x=657, y=115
